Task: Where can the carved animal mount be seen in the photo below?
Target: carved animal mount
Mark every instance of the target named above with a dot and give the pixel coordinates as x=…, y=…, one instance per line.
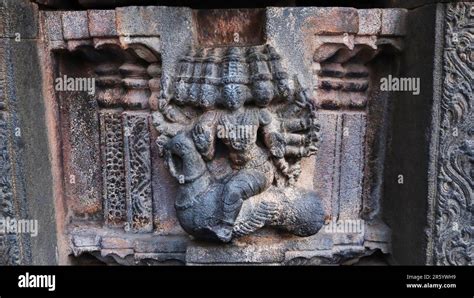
x=233, y=128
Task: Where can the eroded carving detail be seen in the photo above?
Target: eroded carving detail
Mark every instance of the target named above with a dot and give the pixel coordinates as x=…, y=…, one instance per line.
x=454, y=213
x=9, y=250
x=138, y=171
x=9, y=246
x=233, y=130
x=109, y=83
x=113, y=167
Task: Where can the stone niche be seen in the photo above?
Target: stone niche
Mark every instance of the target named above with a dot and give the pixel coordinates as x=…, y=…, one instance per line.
x=154, y=169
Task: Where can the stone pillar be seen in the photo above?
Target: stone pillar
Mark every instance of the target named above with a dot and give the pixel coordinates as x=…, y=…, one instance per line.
x=25, y=169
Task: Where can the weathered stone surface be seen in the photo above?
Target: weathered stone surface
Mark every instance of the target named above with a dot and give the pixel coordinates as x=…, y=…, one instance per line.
x=9, y=244
x=113, y=166
x=322, y=248
x=329, y=19
x=394, y=22
x=3, y=19
x=135, y=20
x=165, y=190
x=18, y=25
x=52, y=24
x=409, y=163
x=352, y=165
x=75, y=25
x=81, y=146
x=137, y=172
x=164, y=244
x=370, y=21
x=23, y=138
x=34, y=187
x=3, y=74
x=327, y=164
x=102, y=23
x=126, y=174
x=340, y=164
x=453, y=219
x=230, y=27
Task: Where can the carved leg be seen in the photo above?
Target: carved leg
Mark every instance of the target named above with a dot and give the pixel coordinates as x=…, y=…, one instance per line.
x=242, y=186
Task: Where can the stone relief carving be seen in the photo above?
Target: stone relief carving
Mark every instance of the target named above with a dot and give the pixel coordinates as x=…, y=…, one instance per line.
x=10, y=243
x=237, y=133
x=113, y=170
x=236, y=109
x=9, y=246
x=138, y=172
x=454, y=213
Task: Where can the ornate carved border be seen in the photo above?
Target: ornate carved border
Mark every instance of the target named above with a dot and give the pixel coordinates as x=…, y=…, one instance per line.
x=454, y=199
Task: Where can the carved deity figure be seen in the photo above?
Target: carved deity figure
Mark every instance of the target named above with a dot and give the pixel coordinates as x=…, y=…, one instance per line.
x=238, y=101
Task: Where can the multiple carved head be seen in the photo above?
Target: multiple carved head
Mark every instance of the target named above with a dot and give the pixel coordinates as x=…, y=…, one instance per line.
x=231, y=77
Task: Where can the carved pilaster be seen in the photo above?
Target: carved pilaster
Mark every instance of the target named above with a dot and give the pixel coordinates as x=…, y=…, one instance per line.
x=344, y=84
x=113, y=168
x=109, y=83
x=135, y=80
x=154, y=70
x=138, y=171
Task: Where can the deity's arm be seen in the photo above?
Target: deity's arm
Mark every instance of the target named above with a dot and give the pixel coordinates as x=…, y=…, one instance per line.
x=272, y=137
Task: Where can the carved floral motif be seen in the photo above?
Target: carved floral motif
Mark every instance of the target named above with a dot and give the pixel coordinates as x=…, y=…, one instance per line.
x=455, y=200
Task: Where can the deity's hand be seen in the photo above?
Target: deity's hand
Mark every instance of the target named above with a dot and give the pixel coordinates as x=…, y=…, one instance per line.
x=277, y=144
x=161, y=142
x=312, y=149
x=202, y=138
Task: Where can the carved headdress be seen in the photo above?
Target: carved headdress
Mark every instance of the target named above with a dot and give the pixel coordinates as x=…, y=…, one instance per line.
x=226, y=79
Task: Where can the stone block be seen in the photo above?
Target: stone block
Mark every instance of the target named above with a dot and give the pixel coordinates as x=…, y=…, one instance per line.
x=370, y=21
x=52, y=22
x=332, y=20
x=138, y=21
x=394, y=22
x=116, y=242
x=75, y=25
x=102, y=23
x=162, y=244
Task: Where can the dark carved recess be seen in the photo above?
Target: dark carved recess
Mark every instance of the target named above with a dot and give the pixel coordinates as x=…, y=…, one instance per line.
x=453, y=242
